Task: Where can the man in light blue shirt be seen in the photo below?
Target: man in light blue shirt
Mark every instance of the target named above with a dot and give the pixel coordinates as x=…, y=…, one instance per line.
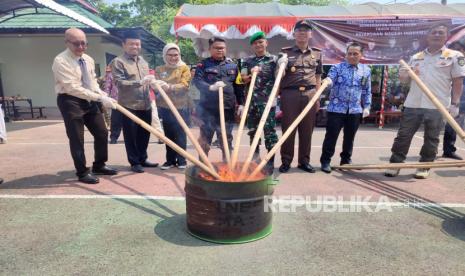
x=349, y=100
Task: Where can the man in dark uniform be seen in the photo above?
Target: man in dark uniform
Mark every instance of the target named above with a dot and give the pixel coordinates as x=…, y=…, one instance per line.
x=265, y=63
x=301, y=80
x=211, y=74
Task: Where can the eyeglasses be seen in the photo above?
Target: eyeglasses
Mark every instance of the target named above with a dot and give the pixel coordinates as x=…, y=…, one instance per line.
x=76, y=44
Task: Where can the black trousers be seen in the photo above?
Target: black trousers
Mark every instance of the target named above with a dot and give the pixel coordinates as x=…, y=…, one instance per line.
x=78, y=113
x=337, y=121
x=450, y=136
x=174, y=132
x=116, y=124
x=136, y=139
x=210, y=123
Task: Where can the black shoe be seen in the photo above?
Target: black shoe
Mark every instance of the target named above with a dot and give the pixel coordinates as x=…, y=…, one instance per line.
x=167, y=165
x=269, y=167
x=306, y=167
x=345, y=162
x=325, y=167
x=89, y=179
x=284, y=168
x=113, y=141
x=1, y=180
x=148, y=164
x=137, y=168
x=105, y=170
x=452, y=155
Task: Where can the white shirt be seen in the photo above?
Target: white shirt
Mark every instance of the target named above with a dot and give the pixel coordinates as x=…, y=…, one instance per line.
x=437, y=72
x=67, y=74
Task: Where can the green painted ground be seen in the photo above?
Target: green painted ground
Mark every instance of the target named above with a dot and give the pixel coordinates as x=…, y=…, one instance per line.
x=119, y=236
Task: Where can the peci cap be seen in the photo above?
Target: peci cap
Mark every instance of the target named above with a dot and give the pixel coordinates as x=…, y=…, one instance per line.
x=257, y=36
x=131, y=34
x=303, y=23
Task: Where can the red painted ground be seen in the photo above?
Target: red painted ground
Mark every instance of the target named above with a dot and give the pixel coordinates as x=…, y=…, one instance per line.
x=36, y=161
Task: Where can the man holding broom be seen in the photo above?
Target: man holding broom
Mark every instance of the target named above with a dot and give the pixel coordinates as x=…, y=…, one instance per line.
x=265, y=64
x=442, y=70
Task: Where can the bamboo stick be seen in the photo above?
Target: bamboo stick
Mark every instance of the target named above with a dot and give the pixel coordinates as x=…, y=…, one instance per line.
x=242, y=122
x=445, y=113
x=223, y=128
x=411, y=165
x=292, y=127
x=184, y=126
x=261, y=124
x=167, y=141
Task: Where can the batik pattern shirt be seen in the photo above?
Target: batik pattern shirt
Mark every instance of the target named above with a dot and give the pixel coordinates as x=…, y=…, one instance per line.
x=351, y=90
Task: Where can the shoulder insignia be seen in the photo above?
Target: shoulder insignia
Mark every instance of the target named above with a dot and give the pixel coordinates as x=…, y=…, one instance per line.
x=420, y=55
x=286, y=48
x=316, y=49
x=461, y=60
x=446, y=53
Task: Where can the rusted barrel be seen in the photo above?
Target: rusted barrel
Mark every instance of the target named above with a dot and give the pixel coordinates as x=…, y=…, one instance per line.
x=227, y=212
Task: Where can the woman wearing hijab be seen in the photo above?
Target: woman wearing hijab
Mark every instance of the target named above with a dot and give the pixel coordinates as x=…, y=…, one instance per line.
x=176, y=76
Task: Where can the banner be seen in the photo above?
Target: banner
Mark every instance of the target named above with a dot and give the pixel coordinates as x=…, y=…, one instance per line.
x=385, y=41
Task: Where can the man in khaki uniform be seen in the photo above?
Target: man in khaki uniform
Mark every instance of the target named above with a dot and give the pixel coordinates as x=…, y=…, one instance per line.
x=442, y=70
x=301, y=80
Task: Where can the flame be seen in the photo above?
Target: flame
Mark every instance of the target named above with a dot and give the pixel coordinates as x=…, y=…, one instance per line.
x=228, y=175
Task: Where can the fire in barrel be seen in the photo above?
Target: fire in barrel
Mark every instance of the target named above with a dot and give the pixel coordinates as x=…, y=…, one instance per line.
x=225, y=203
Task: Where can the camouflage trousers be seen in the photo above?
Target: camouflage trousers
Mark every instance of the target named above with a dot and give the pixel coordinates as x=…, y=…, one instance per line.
x=253, y=120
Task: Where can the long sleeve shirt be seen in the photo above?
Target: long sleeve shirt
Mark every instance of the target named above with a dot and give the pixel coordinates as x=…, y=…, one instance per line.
x=127, y=73
x=351, y=90
x=68, y=75
x=210, y=71
x=178, y=79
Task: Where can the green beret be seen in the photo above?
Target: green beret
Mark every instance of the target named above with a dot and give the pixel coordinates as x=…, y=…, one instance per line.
x=257, y=36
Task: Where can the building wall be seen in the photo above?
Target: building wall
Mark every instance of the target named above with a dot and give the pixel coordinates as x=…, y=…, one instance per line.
x=26, y=65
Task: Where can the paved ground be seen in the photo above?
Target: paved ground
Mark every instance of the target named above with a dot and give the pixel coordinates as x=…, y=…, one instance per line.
x=135, y=223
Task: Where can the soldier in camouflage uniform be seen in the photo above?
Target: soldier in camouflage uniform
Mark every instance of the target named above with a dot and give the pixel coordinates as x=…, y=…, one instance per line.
x=265, y=64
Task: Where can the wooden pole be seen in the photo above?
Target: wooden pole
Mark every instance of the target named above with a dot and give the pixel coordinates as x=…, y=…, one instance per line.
x=223, y=128
x=445, y=113
x=184, y=126
x=237, y=144
x=167, y=141
x=261, y=124
x=291, y=128
x=412, y=165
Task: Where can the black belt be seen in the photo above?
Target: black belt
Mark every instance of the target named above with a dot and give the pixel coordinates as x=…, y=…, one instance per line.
x=301, y=88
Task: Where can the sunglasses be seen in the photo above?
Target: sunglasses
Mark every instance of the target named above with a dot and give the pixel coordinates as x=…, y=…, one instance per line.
x=76, y=44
